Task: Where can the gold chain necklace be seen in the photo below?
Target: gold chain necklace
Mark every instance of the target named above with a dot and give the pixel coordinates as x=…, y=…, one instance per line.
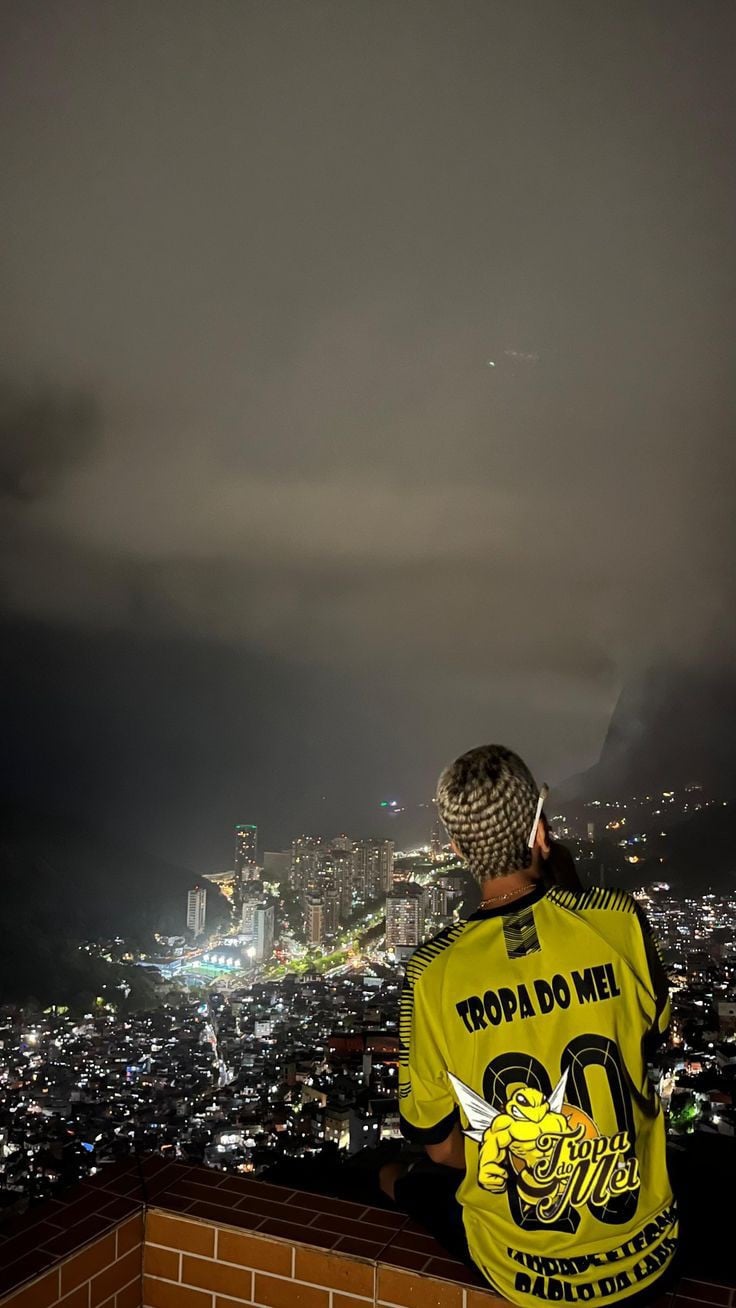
x=500, y=899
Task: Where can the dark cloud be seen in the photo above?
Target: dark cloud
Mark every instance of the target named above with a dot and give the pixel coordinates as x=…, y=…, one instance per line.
x=283, y=243
x=45, y=432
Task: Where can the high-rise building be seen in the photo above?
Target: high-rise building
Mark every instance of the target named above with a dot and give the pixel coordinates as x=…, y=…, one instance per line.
x=436, y=840
x=264, y=920
x=246, y=850
x=342, y=863
x=343, y=843
x=332, y=911
x=196, y=910
x=252, y=897
x=438, y=900
x=405, y=913
x=455, y=884
x=373, y=868
x=323, y=875
x=315, y=923
x=306, y=855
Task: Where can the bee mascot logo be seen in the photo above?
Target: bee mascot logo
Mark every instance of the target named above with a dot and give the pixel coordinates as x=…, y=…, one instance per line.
x=558, y=1156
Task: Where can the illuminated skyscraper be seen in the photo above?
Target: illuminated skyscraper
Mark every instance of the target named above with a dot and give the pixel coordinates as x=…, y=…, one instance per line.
x=252, y=897
x=455, y=884
x=332, y=911
x=246, y=850
x=373, y=868
x=196, y=910
x=438, y=900
x=342, y=862
x=263, y=931
x=306, y=855
x=405, y=913
x=315, y=923
x=437, y=837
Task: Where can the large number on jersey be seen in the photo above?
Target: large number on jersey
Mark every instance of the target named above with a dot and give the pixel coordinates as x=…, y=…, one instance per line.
x=582, y=1053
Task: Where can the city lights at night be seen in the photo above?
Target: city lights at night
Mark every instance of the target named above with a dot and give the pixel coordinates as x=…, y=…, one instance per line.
x=233, y=1010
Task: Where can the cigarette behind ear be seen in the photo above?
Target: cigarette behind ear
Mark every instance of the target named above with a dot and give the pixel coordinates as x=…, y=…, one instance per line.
x=540, y=805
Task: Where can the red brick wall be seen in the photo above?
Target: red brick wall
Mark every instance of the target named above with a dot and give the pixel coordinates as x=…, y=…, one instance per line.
x=214, y=1241
x=104, y=1274
x=195, y=1264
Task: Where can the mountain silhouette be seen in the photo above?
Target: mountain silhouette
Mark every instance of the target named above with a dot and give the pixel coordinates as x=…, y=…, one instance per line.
x=671, y=728
x=63, y=884
x=88, y=885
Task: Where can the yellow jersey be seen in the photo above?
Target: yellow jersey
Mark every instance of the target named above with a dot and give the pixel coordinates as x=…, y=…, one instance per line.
x=529, y=1024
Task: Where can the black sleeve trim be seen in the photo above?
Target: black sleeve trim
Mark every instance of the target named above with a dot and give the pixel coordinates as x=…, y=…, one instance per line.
x=430, y=1134
x=658, y=977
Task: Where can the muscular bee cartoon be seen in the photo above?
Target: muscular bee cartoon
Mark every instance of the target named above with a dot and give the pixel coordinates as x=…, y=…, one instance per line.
x=514, y=1133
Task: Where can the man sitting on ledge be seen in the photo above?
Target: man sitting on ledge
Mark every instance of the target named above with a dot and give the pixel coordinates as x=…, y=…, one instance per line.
x=524, y=1032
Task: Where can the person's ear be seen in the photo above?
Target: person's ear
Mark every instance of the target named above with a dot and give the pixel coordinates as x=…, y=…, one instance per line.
x=542, y=844
x=455, y=849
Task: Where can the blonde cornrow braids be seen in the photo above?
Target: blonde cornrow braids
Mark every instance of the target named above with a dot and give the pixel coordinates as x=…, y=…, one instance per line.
x=487, y=800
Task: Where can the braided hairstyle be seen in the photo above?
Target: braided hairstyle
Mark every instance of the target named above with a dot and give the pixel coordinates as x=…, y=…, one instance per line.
x=487, y=800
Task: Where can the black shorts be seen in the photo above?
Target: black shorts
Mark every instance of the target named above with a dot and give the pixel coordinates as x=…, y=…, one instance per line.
x=427, y=1193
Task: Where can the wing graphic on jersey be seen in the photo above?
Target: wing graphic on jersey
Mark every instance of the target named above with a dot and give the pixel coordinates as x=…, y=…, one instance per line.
x=478, y=1111
x=557, y=1098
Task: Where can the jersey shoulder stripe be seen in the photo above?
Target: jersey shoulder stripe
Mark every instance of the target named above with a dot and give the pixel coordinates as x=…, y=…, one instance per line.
x=416, y=965
x=617, y=901
x=431, y=950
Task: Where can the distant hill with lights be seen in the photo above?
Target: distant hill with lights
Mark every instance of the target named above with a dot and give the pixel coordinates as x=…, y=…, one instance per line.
x=670, y=729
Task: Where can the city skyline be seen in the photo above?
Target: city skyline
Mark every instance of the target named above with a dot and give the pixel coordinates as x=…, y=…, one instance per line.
x=258, y=1065
x=267, y=1037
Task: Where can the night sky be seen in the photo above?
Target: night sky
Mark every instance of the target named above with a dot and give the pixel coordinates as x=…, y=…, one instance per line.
x=278, y=539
